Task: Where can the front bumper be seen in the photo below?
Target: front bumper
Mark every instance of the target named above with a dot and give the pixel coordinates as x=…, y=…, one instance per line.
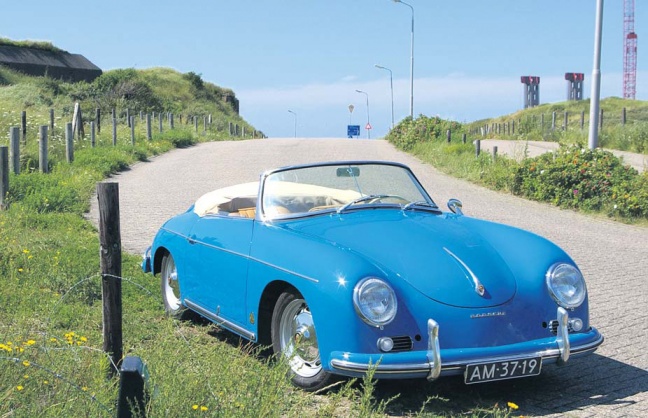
x=436, y=362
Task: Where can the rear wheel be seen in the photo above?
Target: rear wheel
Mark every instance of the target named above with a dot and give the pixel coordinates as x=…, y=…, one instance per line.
x=293, y=335
x=170, y=287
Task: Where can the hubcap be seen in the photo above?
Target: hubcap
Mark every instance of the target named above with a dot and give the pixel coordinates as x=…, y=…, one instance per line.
x=299, y=340
x=171, y=287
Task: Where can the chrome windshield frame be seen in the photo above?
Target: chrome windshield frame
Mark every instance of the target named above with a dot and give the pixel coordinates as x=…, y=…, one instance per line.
x=263, y=216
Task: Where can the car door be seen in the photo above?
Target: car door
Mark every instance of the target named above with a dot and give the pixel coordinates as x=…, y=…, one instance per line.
x=220, y=247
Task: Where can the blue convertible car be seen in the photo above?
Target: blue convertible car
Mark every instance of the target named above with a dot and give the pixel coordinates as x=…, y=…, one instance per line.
x=347, y=266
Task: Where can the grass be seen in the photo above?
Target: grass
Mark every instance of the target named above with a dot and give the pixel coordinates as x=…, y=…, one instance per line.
x=573, y=177
x=529, y=125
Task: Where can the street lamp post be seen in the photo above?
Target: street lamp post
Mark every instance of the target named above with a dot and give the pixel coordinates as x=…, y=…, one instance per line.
x=391, y=85
x=411, y=61
x=368, y=124
x=596, y=78
x=295, y=114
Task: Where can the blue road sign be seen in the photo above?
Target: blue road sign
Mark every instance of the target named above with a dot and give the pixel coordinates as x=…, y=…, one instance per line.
x=353, y=130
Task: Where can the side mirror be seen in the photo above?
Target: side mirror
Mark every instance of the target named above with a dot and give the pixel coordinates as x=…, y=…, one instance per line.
x=455, y=206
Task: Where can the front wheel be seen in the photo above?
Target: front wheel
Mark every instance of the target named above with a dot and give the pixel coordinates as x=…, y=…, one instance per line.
x=293, y=335
x=170, y=287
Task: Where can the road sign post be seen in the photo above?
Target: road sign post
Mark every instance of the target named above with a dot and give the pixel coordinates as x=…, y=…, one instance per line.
x=353, y=130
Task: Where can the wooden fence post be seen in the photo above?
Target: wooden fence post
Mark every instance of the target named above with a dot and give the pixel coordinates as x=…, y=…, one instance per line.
x=69, y=142
x=477, y=147
x=494, y=152
x=23, y=124
x=601, y=120
x=160, y=120
x=128, y=118
x=448, y=136
x=566, y=121
x=93, y=136
x=463, y=138
x=98, y=119
x=196, y=123
x=110, y=263
x=4, y=175
x=14, y=149
x=171, y=124
x=149, y=134
x=131, y=123
x=553, y=121
x=623, y=116
x=582, y=120
x=205, y=124
x=51, y=114
x=42, y=150
x=114, y=132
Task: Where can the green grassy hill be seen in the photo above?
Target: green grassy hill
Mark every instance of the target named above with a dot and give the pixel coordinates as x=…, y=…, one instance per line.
x=529, y=124
x=151, y=90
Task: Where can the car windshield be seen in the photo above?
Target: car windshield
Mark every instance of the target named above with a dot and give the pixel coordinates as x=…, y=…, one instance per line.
x=308, y=190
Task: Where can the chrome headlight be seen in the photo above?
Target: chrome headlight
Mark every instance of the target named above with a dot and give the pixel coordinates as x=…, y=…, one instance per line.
x=566, y=285
x=375, y=301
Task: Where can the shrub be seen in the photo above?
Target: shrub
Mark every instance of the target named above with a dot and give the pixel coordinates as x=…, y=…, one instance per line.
x=574, y=177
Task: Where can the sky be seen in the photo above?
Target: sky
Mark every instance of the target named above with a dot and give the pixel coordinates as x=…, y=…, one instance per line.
x=310, y=56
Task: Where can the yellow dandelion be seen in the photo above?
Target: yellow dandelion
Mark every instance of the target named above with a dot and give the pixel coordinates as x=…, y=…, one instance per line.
x=20, y=270
x=30, y=342
x=30, y=257
x=203, y=408
x=26, y=376
x=20, y=349
x=194, y=407
x=53, y=340
x=19, y=388
x=25, y=251
x=84, y=339
x=26, y=363
x=45, y=382
x=512, y=405
x=84, y=388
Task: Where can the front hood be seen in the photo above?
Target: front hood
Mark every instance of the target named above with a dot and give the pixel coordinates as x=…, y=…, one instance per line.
x=436, y=254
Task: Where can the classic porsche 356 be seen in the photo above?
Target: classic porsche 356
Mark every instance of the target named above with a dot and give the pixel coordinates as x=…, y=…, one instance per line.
x=343, y=266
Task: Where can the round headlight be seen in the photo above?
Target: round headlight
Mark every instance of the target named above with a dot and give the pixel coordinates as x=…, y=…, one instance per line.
x=566, y=285
x=375, y=301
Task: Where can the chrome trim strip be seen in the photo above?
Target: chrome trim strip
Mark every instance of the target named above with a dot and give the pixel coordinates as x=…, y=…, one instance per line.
x=479, y=288
x=562, y=337
x=434, y=352
x=220, y=321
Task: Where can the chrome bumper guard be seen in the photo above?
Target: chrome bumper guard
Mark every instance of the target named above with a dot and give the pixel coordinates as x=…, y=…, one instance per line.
x=434, y=352
x=563, y=336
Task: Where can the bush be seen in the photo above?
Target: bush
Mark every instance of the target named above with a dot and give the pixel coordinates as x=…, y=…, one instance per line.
x=585, y=179
x=407, y=133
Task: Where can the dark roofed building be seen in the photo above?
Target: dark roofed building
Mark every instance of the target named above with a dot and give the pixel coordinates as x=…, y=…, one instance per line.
x=55, y=64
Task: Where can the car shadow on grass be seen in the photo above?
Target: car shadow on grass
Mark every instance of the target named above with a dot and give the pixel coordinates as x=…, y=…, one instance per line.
x=581, y=384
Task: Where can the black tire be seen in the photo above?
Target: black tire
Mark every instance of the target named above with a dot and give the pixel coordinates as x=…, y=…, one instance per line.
x=170, y=287
x=293, y=336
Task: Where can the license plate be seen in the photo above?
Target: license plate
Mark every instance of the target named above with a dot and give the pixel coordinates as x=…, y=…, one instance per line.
x=501, y=370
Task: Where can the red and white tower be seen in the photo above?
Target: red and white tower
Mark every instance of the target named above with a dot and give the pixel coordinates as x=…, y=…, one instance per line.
x=629, y=50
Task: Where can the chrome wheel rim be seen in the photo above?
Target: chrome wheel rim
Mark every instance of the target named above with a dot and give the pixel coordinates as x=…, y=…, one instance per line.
x=299, y=340
x=170, y=284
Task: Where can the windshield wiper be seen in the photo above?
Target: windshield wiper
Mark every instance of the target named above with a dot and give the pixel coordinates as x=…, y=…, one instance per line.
x=420, y=203
x=360, y=200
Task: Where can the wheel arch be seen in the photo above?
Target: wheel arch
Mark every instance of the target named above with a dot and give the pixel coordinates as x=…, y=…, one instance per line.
x=160, y=252
x=268, y=300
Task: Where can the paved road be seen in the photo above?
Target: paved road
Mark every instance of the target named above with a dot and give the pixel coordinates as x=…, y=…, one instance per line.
x=613, y=257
